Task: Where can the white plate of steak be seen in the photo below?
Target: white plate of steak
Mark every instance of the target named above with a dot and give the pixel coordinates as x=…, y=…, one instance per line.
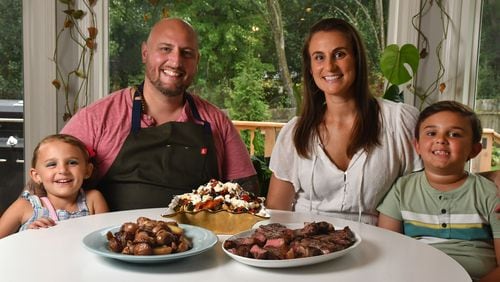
x=278, y=245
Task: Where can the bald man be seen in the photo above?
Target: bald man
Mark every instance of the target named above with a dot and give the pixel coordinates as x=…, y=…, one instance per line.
x=156, y=140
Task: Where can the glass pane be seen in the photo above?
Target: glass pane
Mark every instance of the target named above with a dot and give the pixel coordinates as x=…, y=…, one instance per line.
x=487, y=98
x=11, y=102
x=239, y=59
x=235, y=35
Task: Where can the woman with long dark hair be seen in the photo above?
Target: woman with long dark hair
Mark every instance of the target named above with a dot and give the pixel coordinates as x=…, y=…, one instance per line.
x=344, y=151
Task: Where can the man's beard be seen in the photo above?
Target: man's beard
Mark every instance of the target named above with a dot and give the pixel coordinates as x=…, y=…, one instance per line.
x=170, y=91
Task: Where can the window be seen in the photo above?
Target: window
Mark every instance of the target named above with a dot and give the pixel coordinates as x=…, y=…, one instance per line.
x=237, y=43
x=11, y=102
x=487, y=104
x=488, y=86
x=40, y=30
x=240, y=63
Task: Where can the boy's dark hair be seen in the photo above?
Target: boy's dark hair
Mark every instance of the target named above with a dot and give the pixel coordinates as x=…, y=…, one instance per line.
x=455, y=107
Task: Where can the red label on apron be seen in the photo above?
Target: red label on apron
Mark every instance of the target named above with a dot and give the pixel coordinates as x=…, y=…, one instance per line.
x=204, y=151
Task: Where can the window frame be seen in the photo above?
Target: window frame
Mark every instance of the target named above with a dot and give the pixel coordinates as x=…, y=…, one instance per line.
x=42, y=20
x=460, y=51
x=40, y=104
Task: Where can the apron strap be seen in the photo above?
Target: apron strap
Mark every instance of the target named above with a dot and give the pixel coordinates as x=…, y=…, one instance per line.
x=196, y=114
x=137, y=109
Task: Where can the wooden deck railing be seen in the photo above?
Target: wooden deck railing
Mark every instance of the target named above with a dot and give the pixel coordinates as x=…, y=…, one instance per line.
x=269, y=129
x=483, y=161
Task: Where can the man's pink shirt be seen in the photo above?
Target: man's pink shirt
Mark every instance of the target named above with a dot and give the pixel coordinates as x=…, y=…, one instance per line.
x=105, y=124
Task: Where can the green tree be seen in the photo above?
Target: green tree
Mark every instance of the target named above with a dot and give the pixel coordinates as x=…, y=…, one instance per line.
x=11, y=51
x=230, y=32
x=276, y=23
x=489, y=59
x=247, y=97
x=128, y=28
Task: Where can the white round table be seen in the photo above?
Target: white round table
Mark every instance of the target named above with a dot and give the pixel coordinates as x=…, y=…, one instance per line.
x=57, y=254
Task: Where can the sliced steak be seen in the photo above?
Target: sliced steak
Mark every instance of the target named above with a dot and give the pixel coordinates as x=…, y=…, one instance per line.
x=244, y=241
x=276, y=230
x=314, y=228
x=276, y=241
x=258, y=252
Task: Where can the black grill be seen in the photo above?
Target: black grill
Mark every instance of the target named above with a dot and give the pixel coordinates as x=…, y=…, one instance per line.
x=11, y=151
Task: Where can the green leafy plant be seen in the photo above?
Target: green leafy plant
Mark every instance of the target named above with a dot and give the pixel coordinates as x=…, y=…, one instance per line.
x=495, y=158
x=85, y=40
x=396, y=64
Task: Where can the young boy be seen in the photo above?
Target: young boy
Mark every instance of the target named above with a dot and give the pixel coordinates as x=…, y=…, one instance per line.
x=444, y=205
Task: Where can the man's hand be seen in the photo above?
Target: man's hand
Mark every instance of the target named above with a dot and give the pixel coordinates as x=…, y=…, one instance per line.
x=250, y=184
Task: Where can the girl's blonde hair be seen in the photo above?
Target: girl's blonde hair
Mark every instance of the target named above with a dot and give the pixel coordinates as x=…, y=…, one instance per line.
x=37, y=188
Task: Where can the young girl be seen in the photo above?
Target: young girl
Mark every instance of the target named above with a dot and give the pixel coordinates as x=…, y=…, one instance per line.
x=59, y=167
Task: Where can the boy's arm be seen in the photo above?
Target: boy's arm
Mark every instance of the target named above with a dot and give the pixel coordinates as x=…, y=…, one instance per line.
x=493, y=176
x=494, y=275
x=390, y=223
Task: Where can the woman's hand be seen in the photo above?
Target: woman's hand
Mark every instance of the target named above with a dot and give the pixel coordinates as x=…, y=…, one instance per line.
x=43, y=222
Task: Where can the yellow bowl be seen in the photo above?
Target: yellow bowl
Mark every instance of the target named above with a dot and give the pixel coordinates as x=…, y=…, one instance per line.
x=220, y=222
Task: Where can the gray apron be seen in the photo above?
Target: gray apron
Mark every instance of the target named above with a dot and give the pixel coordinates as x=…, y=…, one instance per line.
x=156, y=163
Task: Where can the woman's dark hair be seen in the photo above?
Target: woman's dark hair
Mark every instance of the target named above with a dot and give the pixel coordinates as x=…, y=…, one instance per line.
x=37, y=188
x=365, y=133
x=454, y=107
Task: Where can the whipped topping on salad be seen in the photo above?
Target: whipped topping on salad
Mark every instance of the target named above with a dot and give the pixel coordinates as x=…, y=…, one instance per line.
x=216, y=196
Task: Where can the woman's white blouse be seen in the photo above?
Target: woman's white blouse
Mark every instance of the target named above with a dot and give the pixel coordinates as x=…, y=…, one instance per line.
x=355, y=193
